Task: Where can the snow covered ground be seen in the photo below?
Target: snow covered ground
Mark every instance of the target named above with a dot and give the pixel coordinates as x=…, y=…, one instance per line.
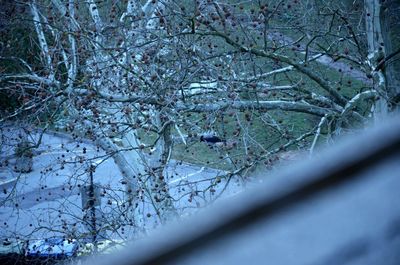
x=47, y=201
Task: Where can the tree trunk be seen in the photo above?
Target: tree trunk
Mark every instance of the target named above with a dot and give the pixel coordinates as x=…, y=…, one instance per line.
x=158, y=163
x=379, y=20
x=390, y=22
x=376, y=53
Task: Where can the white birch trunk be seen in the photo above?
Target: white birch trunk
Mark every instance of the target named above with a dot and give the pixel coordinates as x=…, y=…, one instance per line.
x=133, y=164
x=376, y=53
x=106, y=74
x=42, y=39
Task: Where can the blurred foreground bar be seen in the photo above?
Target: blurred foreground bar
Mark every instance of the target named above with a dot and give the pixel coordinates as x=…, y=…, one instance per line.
x=340, y=208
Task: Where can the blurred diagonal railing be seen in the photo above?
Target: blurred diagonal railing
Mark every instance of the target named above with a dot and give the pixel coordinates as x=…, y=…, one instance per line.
x=342, y=207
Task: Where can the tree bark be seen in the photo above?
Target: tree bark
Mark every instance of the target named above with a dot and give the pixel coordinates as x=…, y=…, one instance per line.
x=390, y=24
x=379, y=47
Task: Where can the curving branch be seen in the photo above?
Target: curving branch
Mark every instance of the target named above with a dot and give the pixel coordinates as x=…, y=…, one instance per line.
x=34, y=78
x=369, y=94
x=42, y=39
x=261, y=105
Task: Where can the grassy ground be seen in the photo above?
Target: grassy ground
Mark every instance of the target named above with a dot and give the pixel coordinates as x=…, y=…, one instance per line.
x=262, y=136
x=256, y=137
